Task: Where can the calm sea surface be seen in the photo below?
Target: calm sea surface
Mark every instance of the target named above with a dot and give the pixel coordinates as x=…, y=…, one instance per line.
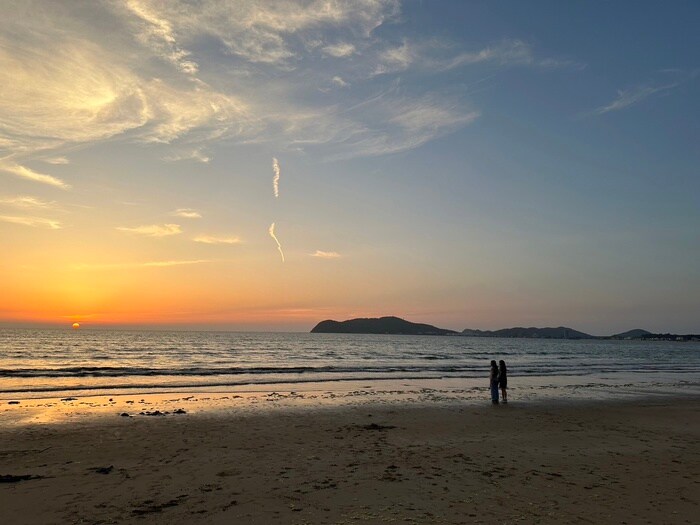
x=38, y=362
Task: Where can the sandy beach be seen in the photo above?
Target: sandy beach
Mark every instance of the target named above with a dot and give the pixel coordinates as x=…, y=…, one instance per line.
x=583, y=462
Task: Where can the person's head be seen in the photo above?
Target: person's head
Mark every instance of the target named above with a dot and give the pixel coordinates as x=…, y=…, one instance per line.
x=493, y=364
x=502, y=364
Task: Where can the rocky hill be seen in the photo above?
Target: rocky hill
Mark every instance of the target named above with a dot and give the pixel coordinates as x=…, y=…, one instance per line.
x=381, y=325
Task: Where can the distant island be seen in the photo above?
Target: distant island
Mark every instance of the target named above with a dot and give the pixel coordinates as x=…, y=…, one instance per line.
x=397, y=326
x=561, y=332
x=381, y=325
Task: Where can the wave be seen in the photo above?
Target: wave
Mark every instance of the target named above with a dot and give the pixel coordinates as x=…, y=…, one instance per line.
x=97, y=371
x=473, y=370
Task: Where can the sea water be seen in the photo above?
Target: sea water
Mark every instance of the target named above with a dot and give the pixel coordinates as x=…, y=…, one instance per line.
x=36, y=363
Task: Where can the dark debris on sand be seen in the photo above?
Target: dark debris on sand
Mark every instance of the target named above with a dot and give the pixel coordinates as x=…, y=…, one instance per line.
x=375, y=426
x=102, y=470
x=150, y=507
x=11, y=478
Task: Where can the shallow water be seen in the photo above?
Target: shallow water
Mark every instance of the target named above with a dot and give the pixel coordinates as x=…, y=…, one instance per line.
x=35, y=363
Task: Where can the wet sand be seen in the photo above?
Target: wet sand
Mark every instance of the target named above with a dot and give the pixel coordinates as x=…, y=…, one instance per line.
x=583, y=462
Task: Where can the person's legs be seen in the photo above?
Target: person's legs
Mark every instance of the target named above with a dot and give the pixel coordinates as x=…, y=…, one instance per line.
x=504, y=394
x=494, y=394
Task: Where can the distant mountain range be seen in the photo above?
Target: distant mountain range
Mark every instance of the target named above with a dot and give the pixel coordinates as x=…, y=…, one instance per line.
x=561, y=332
x=398, y=326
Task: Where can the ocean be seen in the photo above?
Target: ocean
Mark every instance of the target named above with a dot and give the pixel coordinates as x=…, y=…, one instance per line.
x=42, y=363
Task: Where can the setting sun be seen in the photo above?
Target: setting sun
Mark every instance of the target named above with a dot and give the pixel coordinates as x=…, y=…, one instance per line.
x=76, y=326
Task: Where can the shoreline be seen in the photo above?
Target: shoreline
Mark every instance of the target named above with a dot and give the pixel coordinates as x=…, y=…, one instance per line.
x=617, y=461
x=72, y=405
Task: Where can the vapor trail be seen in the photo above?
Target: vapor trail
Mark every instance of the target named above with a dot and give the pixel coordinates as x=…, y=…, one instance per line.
x=276, y=178
x=272, y=234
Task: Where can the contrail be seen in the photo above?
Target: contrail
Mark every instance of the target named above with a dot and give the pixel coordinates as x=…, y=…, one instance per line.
x=272, y=234
x=276, y=178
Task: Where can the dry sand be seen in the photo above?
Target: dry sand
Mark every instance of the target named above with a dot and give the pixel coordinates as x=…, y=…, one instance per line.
x=626, y=462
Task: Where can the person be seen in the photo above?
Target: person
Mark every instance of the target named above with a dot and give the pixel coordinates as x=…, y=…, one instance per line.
x=494, y=382
x=503, y=380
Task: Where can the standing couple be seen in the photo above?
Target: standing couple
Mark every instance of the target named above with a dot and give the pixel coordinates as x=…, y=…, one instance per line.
x=499, y=378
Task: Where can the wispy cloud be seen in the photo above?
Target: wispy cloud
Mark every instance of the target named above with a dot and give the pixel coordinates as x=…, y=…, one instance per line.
x=395, y=59
x=506, y=52
x=29, y=174
x=276, y=177
x=68, y=86
x=407, y=123
x=148, y=264
x=138, y=78
x=325, y=255
x=197, y=154
x=27, y=202
x=34, y=222
x=187, y=213
x=440, y=56
x=153, y=230
x=630, y=97
x=57, y=160
x=159, y=33
x=263, y=33
x=212, y=239
x=339, y=50
x=271, y=231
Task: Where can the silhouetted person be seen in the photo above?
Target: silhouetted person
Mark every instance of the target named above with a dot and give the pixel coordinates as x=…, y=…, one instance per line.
x=503, y=380
x=494, y=382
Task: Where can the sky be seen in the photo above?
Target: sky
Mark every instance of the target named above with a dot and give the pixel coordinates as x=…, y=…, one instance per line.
x=252, y=165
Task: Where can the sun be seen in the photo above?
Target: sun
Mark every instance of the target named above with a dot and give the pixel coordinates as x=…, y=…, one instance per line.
x=76, y=326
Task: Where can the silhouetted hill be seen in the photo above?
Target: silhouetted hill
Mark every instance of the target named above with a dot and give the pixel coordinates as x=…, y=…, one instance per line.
x=561, y=332
x=382, y=325
x=637, y=333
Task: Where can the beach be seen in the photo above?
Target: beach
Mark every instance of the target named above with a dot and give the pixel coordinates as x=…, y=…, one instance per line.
x=629, y=461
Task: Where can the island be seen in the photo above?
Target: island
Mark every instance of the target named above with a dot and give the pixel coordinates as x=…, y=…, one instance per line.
x=561, y=332
x=393, y=325
x=381, y=325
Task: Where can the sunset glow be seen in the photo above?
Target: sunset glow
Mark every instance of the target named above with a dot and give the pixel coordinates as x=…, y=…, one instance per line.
x=276, y=164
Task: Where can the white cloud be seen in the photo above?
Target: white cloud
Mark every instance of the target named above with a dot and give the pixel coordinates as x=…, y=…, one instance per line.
x=340, y=50
x=27, y=202
x=35, y=222
x=338, y=81
x=325, y=255
x=276, y=177
x=271, y=231
x=211, y=239
x=154, y=230
x=629, y=97
x=29, y=174
x=187, y=213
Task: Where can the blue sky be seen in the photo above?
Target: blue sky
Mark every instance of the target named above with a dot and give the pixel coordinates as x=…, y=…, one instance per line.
x=469, y=164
